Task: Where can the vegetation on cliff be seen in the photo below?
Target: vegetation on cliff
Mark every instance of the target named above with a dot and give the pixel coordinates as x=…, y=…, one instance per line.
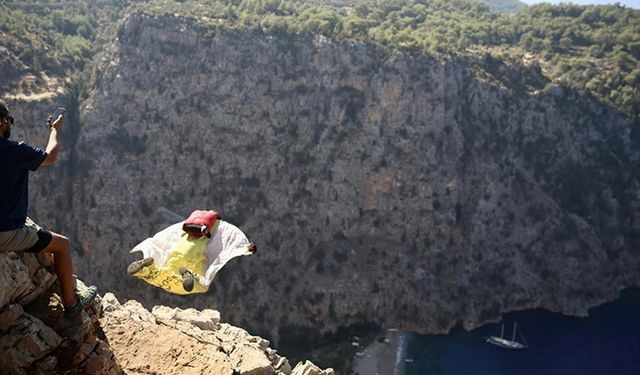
x=509, y=6
x=594, y=49
x=54, y=38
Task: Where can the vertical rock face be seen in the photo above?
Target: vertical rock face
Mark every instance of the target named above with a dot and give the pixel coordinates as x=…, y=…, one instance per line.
x=378, y=186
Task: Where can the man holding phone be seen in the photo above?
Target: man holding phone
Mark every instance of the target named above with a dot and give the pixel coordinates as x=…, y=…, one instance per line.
x=19, y=233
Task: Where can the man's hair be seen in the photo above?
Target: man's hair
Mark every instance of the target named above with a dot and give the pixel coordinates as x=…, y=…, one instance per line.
x=4, y=111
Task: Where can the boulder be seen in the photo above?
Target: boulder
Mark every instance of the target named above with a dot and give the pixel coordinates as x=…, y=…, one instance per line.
x=308, y=368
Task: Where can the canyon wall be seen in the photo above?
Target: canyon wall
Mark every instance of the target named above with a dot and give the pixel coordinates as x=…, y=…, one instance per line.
x=380, y=186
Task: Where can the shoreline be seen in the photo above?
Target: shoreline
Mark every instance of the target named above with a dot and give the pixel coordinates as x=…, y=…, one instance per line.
x=382, y=357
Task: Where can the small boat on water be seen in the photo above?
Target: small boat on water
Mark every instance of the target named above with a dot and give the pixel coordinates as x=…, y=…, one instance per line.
x=509, y=344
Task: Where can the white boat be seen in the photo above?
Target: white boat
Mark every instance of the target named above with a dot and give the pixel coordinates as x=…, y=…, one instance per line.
x=509, y=344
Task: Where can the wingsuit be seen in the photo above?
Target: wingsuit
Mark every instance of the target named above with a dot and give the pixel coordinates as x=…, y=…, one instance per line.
x=185, y=257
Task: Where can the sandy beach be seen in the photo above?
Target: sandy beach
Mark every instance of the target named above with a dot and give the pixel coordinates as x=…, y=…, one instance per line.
x=379, y=358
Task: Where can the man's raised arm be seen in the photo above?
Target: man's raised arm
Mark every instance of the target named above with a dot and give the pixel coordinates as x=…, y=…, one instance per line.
x=52, y=146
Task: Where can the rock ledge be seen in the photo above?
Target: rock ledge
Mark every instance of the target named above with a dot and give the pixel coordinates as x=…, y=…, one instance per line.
x=114, y=338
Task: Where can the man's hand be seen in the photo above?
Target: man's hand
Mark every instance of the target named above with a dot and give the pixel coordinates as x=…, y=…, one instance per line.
x=52, y=146
x=57, y=124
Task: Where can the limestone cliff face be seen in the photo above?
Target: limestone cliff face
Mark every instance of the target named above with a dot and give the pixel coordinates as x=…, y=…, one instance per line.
x=378, y=186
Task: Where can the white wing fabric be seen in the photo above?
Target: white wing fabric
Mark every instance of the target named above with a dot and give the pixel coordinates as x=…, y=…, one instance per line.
x=172, y=248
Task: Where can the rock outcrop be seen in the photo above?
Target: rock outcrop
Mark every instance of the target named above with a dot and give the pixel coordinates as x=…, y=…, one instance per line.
x=184, y=341
x=380, y=186
x=35, y=337
x=110, y=338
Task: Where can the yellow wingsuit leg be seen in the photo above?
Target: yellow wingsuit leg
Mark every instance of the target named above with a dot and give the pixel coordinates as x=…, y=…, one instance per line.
x=189, y=252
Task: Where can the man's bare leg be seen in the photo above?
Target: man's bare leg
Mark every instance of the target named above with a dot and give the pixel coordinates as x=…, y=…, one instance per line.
x=63, y=267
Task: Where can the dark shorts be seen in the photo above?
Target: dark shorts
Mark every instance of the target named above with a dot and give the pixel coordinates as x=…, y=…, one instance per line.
x=30, y=238
x=44, y=239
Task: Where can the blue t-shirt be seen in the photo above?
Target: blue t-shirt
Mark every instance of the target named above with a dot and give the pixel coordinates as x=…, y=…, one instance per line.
x=16, y=159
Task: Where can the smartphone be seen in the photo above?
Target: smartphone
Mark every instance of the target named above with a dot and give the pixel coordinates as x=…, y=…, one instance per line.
x=58, y=112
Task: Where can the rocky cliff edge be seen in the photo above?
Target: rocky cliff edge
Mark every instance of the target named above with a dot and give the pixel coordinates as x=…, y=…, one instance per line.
x=113, y=338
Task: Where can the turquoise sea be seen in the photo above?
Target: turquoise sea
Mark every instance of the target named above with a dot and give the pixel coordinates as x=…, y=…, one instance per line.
x=606, y=342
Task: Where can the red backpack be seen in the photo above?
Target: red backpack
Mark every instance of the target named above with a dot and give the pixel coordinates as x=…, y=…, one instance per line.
x=200, y=223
